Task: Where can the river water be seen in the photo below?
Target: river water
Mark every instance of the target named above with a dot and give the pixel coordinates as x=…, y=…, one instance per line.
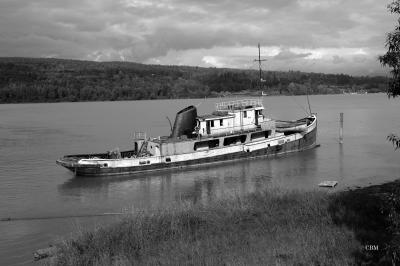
x=33, y=136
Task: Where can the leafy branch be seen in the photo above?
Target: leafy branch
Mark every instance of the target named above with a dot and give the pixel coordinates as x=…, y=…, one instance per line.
x=395, y=140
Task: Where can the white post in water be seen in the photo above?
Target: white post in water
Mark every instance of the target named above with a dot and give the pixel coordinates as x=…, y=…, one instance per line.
x=341, y=129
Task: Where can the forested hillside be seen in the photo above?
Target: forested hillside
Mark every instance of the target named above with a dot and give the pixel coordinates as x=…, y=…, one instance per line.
x=53, y=80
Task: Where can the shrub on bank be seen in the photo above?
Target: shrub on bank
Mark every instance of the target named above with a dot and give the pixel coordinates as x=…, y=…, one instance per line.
x=373, y=214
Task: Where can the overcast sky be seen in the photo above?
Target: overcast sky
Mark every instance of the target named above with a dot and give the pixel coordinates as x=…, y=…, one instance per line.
x=331, y=36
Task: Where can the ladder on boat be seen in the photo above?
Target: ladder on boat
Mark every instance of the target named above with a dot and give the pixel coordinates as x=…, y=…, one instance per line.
x=143, y=149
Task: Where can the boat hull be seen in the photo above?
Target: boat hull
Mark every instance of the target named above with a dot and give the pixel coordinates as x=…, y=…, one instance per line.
x=307, y=141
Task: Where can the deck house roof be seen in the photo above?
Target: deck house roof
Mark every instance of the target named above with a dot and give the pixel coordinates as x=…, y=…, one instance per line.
x=214, y=116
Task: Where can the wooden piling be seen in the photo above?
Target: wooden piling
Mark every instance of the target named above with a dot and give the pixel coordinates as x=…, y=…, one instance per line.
x=341, y=129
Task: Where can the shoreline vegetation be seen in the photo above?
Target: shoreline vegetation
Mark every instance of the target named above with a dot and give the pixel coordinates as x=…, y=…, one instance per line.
x=34, y=80
x=273, y=227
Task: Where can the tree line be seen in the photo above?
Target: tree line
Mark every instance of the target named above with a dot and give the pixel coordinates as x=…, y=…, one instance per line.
x=54, y=80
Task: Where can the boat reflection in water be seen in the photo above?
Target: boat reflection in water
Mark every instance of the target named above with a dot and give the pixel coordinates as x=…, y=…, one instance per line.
x=160, y=189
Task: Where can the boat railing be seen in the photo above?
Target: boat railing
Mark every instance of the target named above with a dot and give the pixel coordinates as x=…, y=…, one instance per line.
x=232, y=129
x=139, y=135
x=238, y=104
x=266, y=125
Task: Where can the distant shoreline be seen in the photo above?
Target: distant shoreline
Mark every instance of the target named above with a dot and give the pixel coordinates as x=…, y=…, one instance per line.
x=200, y=98
x=38, y=80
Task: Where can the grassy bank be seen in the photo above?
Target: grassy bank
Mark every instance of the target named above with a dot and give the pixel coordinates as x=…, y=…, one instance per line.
x=271, y=228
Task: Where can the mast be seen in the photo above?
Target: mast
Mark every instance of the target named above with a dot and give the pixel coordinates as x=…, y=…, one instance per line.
x=308, y=100
x=259, y=60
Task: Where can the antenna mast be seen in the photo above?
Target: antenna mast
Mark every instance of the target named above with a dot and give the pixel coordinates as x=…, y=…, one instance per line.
x=259, y=60
x=308, y=100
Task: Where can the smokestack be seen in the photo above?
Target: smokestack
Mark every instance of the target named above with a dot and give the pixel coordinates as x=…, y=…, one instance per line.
x=185, y=122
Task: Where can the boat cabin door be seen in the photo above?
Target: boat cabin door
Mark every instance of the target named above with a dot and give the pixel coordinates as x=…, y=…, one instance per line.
x=208, y=126
x=136, y=147
x=256, y=117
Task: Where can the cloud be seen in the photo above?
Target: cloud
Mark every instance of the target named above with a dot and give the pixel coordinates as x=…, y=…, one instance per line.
x=168, y=31
x=338, y=60
x=286, y=54
x=212, y=61
x=359, y=58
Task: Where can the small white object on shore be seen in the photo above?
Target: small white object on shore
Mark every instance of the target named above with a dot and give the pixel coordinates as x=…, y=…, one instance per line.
x=328, y=184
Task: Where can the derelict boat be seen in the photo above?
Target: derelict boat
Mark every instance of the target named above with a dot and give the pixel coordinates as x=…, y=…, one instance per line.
x=235, y=130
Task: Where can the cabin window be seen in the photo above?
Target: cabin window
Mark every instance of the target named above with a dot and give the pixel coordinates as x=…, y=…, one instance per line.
x=168, y=159
x=208, y=144
x=234, y=140
x=212, y=123
x=244, y=113
x=201, y=145
x=260, y=135
x=142, y=162
x=105, y=165
x=213, y=143
x=221, y=122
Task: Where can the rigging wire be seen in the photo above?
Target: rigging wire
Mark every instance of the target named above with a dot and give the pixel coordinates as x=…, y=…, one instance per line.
x=308, y=101
x=302, y=107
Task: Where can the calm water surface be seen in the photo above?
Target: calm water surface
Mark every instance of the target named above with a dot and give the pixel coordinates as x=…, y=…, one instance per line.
x=33, y=136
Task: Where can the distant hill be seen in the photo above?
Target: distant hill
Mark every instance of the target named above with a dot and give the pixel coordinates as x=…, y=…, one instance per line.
x=54, y=80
